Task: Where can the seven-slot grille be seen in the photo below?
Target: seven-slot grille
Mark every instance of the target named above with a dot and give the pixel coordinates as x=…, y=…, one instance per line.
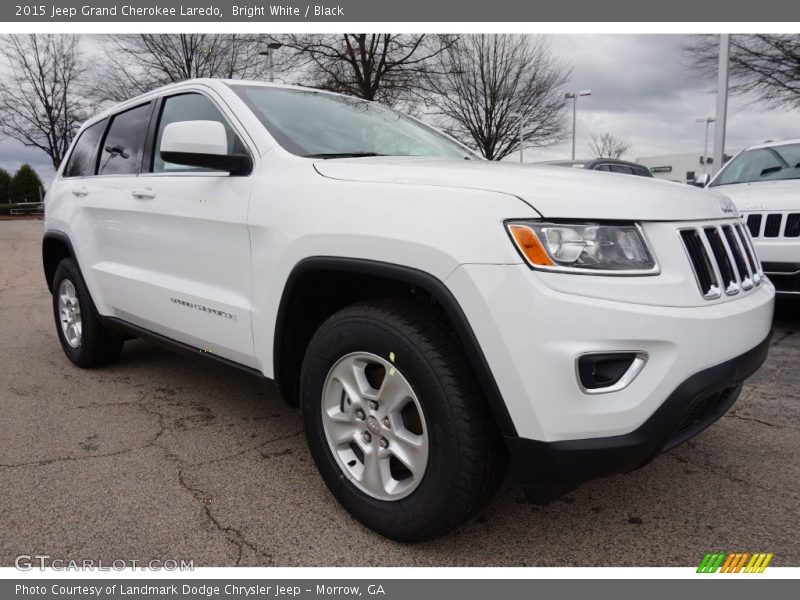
x=773, y=225
x=722, y=258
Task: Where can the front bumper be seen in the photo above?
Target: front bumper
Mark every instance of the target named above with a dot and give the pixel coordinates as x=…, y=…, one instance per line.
x=548, y=470
x=532, y=335
x=784, y=276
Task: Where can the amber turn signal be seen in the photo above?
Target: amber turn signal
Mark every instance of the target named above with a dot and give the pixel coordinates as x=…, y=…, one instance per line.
x=529, y=245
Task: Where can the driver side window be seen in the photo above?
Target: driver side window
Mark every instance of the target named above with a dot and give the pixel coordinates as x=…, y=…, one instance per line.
x=123, y=146
x=190, y=107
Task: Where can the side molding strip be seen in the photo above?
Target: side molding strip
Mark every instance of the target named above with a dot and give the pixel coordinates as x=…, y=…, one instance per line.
x=120, y=326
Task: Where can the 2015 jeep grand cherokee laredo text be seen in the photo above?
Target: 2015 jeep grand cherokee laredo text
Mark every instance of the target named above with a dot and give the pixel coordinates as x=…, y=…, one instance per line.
x=432, y=313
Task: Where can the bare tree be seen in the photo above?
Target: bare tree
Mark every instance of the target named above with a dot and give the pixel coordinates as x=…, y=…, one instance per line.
x=485, y=87
x=379, y=66
x=607, y=145
x=135, y=64
x=39, y=103
x=764, y=65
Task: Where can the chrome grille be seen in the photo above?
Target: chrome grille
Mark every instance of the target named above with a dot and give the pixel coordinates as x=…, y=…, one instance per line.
x=772, y=228
x=774, y=225
x=738, y=257
x=754, y=224
x=722, y=258
x=792, y=229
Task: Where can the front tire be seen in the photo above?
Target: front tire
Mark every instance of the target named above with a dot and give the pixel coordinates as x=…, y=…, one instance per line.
x=395, y=421
x=83, y=338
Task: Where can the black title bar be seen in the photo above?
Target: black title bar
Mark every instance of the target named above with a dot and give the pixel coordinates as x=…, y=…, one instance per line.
x=442, y=11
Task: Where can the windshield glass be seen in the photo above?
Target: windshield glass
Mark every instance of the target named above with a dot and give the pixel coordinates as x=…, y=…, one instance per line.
x=317, y=124
x=763, y=164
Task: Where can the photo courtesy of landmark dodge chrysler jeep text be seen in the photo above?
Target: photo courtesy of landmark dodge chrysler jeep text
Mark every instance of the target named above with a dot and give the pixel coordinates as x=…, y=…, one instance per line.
x=432, y=313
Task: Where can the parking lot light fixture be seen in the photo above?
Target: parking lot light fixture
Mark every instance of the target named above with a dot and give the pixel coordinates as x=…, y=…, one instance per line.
x=574, y=97
x=520, y=116
x=271, y=47
x=707, y=121
x=722, y=100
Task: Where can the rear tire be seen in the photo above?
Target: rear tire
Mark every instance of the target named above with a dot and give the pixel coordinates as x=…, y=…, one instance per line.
x=83, y=338
x=464, y=458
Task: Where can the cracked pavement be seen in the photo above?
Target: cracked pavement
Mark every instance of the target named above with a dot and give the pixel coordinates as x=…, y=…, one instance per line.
x=163, y=456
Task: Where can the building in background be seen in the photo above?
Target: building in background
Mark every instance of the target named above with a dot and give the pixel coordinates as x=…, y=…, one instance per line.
x=679, y=167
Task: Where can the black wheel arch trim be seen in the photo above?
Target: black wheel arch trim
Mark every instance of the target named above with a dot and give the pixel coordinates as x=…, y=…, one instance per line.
x=60, y=236
x=403, y=274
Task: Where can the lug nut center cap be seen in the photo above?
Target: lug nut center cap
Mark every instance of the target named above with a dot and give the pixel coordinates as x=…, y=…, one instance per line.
x=373, y=426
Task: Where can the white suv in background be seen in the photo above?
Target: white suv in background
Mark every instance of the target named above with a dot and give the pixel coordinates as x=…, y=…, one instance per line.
x=432, y=313
x=764, y=182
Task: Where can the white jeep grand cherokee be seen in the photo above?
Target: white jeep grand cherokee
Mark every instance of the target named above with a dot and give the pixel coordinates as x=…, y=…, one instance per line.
x=764, y=183
x=432, y=313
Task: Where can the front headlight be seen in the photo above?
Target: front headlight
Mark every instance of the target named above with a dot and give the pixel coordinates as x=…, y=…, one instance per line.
x=590, y=248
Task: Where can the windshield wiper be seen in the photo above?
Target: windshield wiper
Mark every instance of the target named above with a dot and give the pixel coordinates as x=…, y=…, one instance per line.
x=343, y=155
x=769, y=170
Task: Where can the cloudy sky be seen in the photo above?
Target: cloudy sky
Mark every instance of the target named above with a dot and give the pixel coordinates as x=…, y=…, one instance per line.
x=642, y=92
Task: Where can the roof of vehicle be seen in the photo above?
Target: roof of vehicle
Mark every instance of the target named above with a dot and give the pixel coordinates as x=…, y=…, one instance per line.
x=578, y=164
x=772, y=144
x=591, y=163
x=208, y=81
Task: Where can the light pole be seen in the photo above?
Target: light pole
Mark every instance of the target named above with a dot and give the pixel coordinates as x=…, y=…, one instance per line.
x=271, y=47
x=574, y=97
x=521, y=133
x=722, y=101
x=707, y=121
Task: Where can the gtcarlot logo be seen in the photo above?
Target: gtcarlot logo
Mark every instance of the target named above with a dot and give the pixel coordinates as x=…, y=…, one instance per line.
x=734, y=562
x=27, y=562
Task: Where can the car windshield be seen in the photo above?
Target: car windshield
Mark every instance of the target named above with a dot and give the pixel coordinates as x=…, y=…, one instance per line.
x=321, y=125
x=763, y=164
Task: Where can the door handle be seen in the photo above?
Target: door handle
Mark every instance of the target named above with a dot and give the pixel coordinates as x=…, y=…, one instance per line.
x=80, y=192
x=145, y=194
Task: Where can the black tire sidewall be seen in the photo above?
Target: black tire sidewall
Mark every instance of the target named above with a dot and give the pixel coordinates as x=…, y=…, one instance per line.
x=67, y=270
x=409, y=517
x=97, y=347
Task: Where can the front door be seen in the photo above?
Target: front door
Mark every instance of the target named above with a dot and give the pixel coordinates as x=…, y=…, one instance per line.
x=189, y=274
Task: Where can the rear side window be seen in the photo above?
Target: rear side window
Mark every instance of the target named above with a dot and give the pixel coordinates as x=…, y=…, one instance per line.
x=621, y=169
x=123, y=146
x=191, y=107
x=83, y=159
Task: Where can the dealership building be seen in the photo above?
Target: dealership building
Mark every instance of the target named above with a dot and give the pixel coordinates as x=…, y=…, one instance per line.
x=679, y=167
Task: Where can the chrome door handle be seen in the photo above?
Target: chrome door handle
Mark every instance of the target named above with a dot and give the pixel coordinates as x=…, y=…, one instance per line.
x=80, y=192
x=145, y=194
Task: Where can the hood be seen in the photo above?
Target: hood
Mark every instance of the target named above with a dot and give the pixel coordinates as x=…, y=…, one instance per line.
x=760, y=196
x=554, y=192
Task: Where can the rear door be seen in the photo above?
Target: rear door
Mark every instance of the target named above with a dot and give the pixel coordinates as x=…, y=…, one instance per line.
x=186, y=231
x=105, y=203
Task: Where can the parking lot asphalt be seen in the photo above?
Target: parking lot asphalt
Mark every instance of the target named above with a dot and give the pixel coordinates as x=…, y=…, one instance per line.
x=163, y=456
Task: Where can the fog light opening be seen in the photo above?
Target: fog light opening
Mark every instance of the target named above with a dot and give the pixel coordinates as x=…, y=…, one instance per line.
x=605, y=372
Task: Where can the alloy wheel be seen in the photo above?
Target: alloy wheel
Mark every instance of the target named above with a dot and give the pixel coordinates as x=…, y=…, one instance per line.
x=375, y=426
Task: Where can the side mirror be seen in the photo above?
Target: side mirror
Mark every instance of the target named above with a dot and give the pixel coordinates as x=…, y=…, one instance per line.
x=701, y=181
x=202, y=144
